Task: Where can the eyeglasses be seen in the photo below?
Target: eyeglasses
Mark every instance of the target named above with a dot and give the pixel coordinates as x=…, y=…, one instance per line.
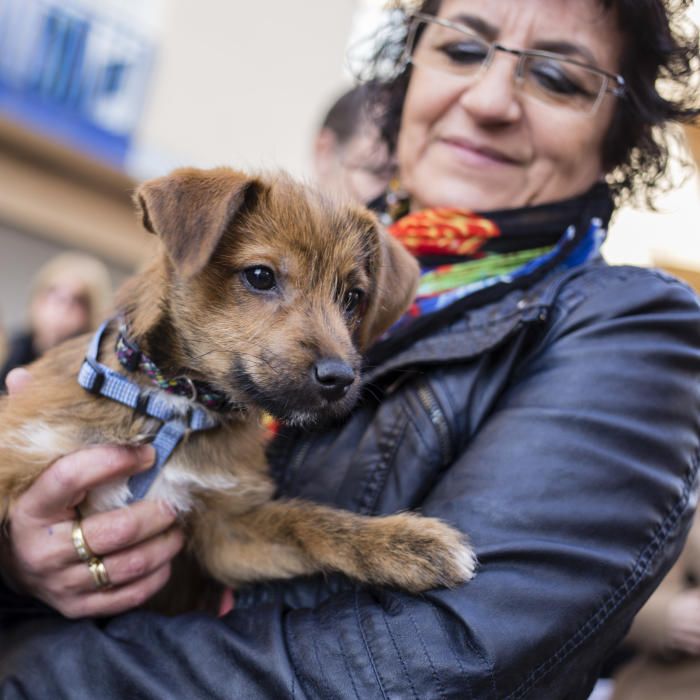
x=445, y=46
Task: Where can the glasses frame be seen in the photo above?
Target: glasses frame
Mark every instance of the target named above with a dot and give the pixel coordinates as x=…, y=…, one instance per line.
x=613, y=83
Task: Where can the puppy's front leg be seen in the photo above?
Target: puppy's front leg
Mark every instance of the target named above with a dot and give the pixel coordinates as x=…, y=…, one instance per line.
x=281, y=539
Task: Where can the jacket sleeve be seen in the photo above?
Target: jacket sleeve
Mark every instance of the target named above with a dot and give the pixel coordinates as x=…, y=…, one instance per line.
x=577, y=492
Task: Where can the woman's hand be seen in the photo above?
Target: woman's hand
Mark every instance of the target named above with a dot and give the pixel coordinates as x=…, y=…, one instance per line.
x=684, y=622
x=136, y=543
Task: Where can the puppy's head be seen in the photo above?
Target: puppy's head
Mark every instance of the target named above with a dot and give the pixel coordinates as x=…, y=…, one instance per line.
x=273, y=291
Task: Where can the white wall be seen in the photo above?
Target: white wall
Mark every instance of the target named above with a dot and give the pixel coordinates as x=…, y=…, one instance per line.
x=670, y=236
x=243, y=82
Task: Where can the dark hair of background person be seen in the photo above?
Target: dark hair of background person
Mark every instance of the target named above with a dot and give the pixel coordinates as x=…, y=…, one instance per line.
x=660, y=64
x=347, y=112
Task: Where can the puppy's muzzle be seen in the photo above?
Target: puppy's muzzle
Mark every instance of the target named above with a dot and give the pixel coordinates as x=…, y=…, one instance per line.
x=332, y=378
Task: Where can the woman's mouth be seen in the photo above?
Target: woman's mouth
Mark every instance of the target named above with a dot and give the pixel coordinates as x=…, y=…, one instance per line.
x=476, y=154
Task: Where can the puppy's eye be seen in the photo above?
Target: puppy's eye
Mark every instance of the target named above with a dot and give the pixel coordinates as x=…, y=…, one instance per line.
x=260, y=277
x=352, y=300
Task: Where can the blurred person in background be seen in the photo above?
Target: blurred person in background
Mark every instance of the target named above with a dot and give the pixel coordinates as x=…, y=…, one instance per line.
x=70, y=295
x=541, y=401
x=666, y=635
x=350, y=158
x=3, y=344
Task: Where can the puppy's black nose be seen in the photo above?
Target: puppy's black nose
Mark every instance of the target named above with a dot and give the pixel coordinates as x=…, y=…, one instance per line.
x=333, y=377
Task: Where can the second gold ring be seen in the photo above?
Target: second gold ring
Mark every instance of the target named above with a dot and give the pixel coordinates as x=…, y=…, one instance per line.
x=99, y=573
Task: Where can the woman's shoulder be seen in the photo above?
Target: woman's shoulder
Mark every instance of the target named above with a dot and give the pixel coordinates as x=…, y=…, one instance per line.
x=601, y=290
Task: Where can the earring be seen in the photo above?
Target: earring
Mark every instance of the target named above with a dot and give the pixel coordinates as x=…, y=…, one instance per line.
x=398, y=201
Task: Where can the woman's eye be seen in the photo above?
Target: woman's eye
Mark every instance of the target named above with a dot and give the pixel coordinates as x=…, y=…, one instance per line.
x=260, y=277
x=352, y=300
x=465, y=52
x=552, y=77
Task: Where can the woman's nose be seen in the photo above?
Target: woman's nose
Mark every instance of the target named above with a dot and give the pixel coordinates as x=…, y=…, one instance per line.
x=493, y=98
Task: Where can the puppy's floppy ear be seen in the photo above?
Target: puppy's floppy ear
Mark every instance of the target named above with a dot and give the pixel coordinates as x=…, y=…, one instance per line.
x=395, y=274
x=190, y=210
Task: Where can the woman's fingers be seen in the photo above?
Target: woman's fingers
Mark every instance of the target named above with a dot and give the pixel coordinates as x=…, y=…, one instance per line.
x=141, y=569
x=135, y=544
x=17, y=380
x=684, y=621
x=105, y=533
x=120, y=529
x=128, y=565
x=688, y=641
x=64, y=484
x=140, y=562
x=114, y=600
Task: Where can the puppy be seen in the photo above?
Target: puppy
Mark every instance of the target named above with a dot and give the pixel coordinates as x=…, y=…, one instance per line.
x=261, y=298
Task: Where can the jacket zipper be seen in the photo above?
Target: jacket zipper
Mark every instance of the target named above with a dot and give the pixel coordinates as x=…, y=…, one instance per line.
x=437, y=418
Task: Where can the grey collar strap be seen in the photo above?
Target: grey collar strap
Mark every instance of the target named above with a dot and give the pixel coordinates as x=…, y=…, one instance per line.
x=100, y=380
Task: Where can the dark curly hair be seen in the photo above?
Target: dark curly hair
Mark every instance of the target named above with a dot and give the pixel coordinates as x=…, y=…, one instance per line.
x=660, y=64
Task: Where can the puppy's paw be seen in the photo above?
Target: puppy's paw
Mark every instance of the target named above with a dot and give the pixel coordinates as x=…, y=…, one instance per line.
x=423, y=553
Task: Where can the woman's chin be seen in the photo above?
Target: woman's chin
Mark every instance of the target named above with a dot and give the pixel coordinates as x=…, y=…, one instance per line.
x=479, y=195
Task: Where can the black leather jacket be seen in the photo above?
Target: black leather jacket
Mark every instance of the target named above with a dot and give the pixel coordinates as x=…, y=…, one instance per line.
x=558, y=427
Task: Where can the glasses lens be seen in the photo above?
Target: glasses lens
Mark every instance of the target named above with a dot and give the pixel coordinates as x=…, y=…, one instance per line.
x=562, y=83
x=447, y=49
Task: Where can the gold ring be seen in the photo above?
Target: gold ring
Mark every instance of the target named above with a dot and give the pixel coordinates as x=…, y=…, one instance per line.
x=99, y=573
x=81, y=546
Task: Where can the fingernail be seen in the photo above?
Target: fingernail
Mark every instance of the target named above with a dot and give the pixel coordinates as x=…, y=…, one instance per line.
x=146, y=455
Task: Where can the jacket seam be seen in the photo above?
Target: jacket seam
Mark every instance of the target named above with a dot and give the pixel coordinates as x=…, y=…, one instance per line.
x=293, y=664
x=473, y=647
x=347, y=667
x=436, y=677
x=614, y=601
x=401, y=659
x=377, y=675
x=327, y=687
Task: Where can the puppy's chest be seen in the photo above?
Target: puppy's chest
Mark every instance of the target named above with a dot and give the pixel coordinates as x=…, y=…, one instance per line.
x=178, y=485
x=202, y=461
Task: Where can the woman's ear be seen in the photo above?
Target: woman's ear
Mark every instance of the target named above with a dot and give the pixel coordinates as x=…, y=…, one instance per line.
x=395, y=274
x=190, y=210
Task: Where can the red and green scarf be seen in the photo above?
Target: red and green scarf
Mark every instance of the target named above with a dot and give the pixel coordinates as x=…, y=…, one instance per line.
x=468, y=258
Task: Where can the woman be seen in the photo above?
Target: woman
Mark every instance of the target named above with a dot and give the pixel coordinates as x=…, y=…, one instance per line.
x=543, y=403
x=70, y=295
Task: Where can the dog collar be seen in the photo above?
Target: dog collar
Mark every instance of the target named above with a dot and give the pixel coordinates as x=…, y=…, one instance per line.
x=132, y=358
x=100, y=380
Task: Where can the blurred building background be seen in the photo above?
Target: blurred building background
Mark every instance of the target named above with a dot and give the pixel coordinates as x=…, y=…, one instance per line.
x=97, y=94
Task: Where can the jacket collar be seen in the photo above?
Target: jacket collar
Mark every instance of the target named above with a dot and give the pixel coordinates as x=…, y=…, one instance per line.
x=480, y=329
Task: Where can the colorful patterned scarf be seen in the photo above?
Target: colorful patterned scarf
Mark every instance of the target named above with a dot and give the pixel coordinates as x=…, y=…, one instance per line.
x=462, y=254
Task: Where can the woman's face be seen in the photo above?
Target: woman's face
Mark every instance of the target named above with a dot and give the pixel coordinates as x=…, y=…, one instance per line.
x=486, y=145
x=58, y=312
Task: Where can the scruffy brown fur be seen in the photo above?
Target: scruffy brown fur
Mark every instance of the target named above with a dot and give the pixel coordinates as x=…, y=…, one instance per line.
x=194, y=311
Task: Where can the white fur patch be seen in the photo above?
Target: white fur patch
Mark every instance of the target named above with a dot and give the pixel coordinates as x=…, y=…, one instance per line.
x=176, y=485
x=42, y=443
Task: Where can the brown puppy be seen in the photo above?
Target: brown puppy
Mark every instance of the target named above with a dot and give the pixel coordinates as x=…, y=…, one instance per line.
x=267, y=293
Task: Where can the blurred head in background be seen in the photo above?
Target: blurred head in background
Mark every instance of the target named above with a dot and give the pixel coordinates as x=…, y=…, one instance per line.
x=3, y=343
x=350, y=158
x=70, y=295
